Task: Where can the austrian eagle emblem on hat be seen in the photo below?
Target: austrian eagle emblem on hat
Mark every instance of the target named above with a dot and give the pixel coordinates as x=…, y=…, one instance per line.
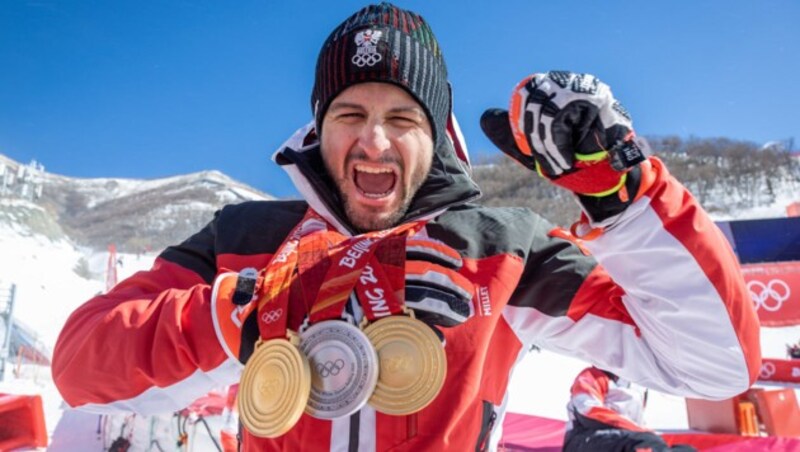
x=367, y=48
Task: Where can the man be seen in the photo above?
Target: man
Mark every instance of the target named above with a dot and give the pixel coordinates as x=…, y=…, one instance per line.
x=660, y=300
x=606, y=413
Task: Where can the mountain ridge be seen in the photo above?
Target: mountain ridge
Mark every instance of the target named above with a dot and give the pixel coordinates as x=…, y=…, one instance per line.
x=137, y=215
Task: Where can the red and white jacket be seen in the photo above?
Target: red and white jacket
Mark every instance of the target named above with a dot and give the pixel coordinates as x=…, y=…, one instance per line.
x=605, y=402
x=657, y=299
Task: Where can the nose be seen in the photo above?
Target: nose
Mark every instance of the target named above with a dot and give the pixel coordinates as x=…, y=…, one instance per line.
x=374, y=140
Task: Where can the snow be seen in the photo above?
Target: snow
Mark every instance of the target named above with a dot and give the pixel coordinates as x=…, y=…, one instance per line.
x=14, y=212
x=775, y=210
x=48, y=290
x=100, y=190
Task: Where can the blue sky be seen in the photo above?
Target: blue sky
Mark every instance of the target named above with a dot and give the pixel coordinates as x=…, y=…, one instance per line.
x=150, y=89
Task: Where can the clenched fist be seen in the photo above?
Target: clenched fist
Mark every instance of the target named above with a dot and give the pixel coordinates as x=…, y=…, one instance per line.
x=570, y=129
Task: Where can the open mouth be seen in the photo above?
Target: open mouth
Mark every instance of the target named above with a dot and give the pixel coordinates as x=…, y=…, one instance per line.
x=374, y=182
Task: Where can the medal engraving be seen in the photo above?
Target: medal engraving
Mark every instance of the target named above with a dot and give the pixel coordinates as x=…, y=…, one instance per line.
x=344, y=368
x=274, y=388
x=413, y=365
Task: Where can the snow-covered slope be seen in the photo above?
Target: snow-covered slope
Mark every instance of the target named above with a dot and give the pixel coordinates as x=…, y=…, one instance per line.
x=135, y=215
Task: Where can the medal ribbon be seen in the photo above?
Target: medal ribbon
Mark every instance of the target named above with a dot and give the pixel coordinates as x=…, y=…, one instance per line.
x=273, y=304
x=381, y=285
x=313, y=264
x=371, y=263
x=348, y=261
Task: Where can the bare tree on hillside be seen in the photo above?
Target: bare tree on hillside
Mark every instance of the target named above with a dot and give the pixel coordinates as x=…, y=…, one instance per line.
x=714, y=169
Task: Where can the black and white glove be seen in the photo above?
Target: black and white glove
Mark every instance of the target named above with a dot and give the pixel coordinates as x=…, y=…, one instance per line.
x=434, y=289
x=569, y=128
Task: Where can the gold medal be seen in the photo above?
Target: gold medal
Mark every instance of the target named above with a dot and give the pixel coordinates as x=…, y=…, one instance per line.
x=412, y=361
x=274, y=388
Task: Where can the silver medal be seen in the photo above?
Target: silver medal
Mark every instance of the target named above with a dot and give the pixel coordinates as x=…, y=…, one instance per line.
x=344, y=368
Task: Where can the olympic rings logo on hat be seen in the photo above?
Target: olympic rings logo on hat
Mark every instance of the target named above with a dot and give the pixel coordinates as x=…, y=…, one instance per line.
x=330, y=368
x=767, y=370
x=367, y=51
x=271, y=316
x=770, y=296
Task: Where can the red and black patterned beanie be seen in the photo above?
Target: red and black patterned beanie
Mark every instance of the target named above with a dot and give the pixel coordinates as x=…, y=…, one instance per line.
x=383, y=43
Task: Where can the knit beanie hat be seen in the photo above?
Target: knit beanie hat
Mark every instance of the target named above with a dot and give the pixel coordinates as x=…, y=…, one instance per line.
x=383, y=43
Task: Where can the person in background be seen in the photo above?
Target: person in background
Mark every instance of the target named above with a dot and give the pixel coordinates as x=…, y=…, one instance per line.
x=793, y=350
x=646, y=286
x=606, y=413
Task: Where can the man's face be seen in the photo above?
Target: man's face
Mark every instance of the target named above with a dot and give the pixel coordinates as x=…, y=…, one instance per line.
x=377, y=145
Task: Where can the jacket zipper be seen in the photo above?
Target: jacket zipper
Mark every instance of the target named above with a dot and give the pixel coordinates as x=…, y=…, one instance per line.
x=489, y=417
x=411, y=426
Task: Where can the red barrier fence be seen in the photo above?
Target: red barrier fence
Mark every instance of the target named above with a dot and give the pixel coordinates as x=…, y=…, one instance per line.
x=21, y=422
x=775, y=290
x=793, y=209
x=780, y=370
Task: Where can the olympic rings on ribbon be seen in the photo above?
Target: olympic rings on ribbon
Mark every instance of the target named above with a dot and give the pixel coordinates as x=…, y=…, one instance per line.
x=767, y=370
x=271, y=316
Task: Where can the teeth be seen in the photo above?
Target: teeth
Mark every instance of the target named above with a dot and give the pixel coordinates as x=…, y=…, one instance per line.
x=372, y=170
x=376, y=195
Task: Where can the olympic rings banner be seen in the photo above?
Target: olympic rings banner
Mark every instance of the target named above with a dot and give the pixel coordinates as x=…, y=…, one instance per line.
x=780, y=370
x=775, y=291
